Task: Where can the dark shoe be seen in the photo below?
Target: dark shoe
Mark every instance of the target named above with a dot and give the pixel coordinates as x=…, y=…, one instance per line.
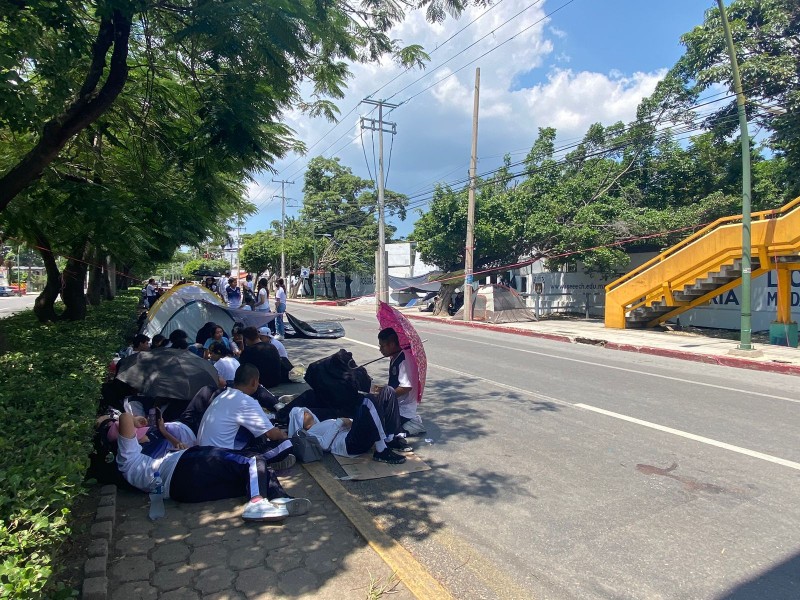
x=387, y=456
x=399, y=444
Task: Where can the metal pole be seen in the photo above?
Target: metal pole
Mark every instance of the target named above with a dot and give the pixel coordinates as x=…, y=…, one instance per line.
x=381, y=216
x=283, y=224
x=314, y=274
x=745, y=327
x=468, y=251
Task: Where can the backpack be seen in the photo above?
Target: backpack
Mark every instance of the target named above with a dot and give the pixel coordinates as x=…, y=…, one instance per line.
x=336, y=381
x=249, y=297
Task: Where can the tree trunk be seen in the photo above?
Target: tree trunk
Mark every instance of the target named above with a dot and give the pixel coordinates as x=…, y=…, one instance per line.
x=95, y=292
x=72, y=292
x=348, y=292
x=445, y=295
x=325, y=283
x=44, y=305
x=333, y=285
x=123, y=278
x=85, y=109
x=110, y=278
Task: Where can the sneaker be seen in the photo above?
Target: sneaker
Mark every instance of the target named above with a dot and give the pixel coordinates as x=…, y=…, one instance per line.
x=294, y=506
x=263, y=510
x=387, y=456
x=399, y=444
x=283, y=464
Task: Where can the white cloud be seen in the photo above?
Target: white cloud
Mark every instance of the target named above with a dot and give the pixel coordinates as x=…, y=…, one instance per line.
x=434, y=128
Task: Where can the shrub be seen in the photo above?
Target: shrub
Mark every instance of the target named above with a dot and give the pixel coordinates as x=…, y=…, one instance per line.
x=50, y=376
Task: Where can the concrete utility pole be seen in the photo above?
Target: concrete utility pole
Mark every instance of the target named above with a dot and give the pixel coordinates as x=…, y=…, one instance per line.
x=381, y=289
x=745, y=334
x=473, y=165
x=283, y=224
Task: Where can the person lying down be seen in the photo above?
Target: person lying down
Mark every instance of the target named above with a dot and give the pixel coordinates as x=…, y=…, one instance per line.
x=347, y=437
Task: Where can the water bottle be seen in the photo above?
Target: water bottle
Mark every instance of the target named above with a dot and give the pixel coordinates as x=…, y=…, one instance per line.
x=151, y=418
x=156, y=497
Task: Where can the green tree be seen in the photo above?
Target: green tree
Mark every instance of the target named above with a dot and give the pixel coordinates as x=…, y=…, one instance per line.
x=344, y=205
x=65, y=64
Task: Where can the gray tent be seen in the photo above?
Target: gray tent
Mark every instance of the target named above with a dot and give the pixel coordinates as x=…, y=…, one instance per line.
x=192, y=315
x=497, y=304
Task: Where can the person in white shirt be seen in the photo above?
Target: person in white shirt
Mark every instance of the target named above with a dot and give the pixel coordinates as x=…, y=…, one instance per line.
x=236, y=421
x=404, y=386
x=223, y=362
x=222, y=284
x=280, y=308
x=262, y=298
x=347, y=437
x=201, y=474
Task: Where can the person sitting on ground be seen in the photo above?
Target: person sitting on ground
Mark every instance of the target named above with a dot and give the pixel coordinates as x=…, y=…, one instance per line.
x=400, y=381
x=234, y=293
x=179, y=339
x=205, y=332
x=159, y=341
x=265, y=335
x=217, y=335
x=236, y=421
x=202, y=474
x=263, y=355
x=223, y=362
x=140, y=343
x=349, y=437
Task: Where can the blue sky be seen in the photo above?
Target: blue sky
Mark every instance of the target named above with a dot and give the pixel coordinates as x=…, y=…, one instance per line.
x=591, y=61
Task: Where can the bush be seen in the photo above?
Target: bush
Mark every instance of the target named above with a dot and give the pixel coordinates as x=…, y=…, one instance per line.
x=50, y=378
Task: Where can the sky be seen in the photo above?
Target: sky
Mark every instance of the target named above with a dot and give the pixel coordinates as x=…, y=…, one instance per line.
x=552, y=63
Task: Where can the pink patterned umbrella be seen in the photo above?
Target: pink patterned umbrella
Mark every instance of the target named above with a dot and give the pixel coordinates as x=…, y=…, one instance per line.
x=409, y=342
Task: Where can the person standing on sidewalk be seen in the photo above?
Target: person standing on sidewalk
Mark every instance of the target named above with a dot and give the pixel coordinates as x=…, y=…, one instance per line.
x=280, y=308
x=234, y=293
x=262, y=297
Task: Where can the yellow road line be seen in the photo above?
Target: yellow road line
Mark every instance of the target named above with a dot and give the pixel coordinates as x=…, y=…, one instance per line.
x=413, y=575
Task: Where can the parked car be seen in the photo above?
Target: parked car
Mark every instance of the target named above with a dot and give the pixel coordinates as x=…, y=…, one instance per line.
x=6, y=291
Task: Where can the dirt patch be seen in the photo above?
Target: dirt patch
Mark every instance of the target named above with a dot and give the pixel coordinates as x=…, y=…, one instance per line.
x=68, y=562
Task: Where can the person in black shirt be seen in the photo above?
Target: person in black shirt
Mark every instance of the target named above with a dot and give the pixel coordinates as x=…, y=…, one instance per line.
x=263, y=355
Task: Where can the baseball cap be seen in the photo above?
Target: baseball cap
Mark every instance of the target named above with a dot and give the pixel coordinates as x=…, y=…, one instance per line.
x=264, y=331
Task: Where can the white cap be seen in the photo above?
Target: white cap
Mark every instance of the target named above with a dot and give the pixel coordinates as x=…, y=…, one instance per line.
x=264, y=331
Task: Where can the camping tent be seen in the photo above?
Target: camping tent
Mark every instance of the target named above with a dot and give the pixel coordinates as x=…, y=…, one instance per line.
x=497, y=304
x=190, y=306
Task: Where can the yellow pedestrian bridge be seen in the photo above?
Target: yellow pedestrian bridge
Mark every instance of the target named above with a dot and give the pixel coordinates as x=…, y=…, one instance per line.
x=706, y=264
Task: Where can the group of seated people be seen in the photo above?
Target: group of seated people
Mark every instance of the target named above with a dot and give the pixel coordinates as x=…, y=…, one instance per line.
x=235, y=436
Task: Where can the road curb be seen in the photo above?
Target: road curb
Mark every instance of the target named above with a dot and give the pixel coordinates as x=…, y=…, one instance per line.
x=724, y=361
x=409, y=570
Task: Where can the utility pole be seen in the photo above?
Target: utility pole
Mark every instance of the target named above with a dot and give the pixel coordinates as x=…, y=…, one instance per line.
x=745, y=333
x=283, y=224
x=371, y=124
x=473, y=163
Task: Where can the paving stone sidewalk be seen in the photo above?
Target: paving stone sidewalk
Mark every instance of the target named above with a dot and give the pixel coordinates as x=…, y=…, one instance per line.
x=206, y=551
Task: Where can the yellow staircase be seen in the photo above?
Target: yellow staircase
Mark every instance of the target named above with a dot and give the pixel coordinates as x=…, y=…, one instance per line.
x=704, y=265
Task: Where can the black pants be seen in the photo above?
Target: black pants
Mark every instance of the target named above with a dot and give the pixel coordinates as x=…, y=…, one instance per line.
x=365, y=431
x=388, y=410
x=204, y=473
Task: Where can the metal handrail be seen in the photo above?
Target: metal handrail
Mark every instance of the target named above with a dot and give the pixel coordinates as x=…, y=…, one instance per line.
x=760, y=215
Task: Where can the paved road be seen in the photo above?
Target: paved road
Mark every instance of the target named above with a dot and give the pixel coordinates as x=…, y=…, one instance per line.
x=14, y=304
x=570, y=471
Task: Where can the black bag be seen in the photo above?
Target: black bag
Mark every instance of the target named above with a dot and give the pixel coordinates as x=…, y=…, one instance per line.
x=306, y=447
x=336, y=381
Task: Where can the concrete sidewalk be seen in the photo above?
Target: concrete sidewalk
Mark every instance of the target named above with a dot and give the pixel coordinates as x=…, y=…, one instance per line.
x=700, y=345
x=207, y=552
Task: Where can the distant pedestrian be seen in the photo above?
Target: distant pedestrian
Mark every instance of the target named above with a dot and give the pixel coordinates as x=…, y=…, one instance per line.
x=234, y=293
x=280, y=308
x=262, y=298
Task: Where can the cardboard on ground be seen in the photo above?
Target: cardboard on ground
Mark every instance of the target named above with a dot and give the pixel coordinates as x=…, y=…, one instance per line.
x=363, y=467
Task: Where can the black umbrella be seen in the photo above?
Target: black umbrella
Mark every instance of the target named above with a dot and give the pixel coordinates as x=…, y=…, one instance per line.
x=167, y=373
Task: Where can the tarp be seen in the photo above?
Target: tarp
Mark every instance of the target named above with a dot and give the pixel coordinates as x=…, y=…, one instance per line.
x=313, y=329
x=413, y=284
x=497, y=304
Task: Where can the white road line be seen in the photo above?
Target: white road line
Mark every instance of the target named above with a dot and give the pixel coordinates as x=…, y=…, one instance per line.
x=360, y=342
x=692, y=436
x=684, y=434
x=625, y=369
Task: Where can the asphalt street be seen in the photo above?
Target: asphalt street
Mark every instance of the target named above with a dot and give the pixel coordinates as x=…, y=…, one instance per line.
x=571, y=471
x=14, y=304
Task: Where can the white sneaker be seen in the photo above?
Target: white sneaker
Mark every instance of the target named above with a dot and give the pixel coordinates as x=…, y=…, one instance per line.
x=294, y=506
x=263, y=510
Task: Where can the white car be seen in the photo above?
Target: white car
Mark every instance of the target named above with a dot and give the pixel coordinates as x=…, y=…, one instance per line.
x=6, y=291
